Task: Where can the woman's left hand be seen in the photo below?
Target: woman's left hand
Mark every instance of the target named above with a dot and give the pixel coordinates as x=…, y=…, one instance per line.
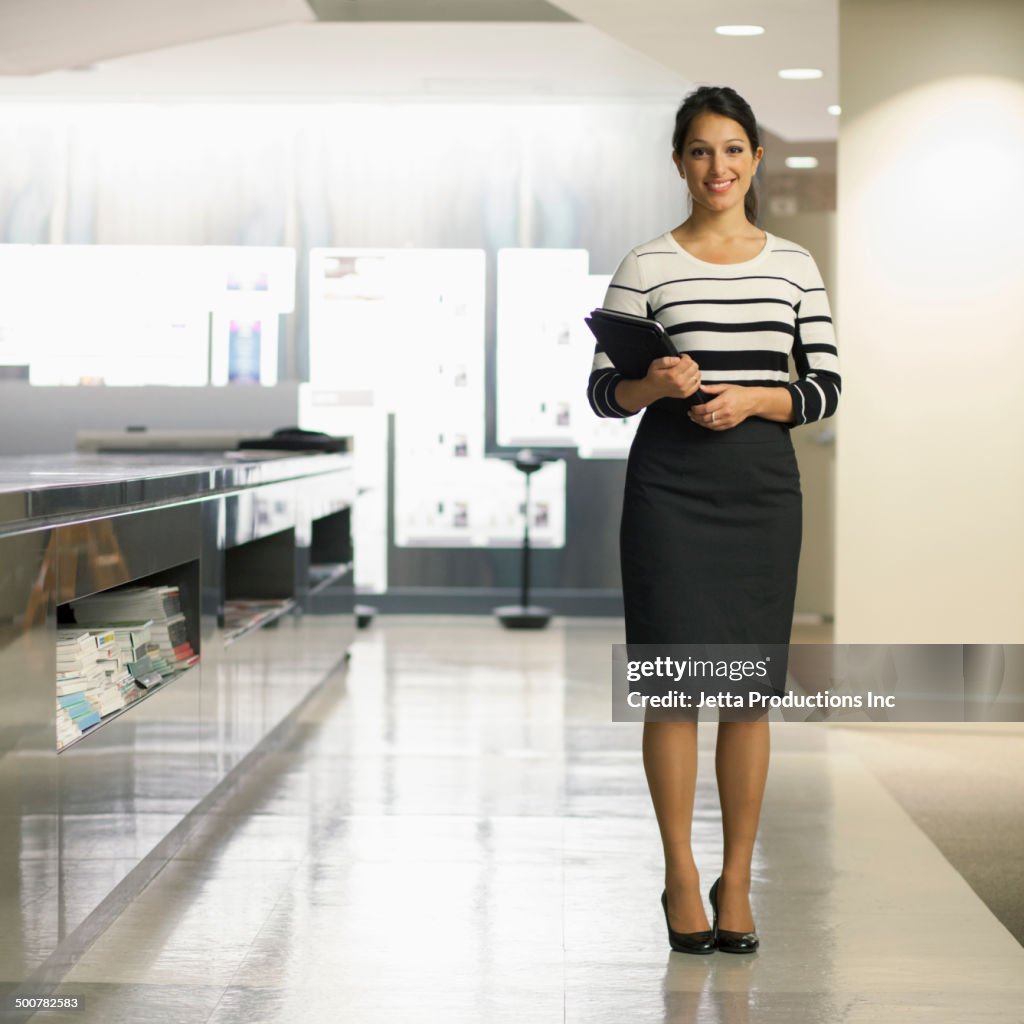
x=732, y=404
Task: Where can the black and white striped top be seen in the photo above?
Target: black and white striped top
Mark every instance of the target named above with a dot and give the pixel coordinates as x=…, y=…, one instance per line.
x=739, y=322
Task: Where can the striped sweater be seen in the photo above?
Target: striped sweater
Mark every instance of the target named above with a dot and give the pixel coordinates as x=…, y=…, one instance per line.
x=739, y=322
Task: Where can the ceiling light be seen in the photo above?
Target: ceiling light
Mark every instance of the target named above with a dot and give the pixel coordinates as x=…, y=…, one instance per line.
x=800, y=73
x=801, y=162
x=740, y=30
x=835, y=110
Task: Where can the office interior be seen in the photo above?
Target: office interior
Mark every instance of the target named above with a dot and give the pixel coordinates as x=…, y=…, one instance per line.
x=356, y=795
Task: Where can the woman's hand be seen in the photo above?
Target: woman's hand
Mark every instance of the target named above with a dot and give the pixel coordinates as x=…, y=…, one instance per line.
x=731, y=406
x=674, y=376
x=667, y=377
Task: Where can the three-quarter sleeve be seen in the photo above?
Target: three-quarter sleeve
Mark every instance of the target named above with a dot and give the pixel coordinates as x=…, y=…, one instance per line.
x=816, y=392
x=625, y=294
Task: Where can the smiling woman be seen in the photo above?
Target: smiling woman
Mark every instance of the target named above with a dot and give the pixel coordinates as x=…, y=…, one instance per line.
x=711, y=513
x=723, y=165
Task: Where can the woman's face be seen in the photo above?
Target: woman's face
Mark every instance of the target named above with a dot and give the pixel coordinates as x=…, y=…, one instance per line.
x=717, y=162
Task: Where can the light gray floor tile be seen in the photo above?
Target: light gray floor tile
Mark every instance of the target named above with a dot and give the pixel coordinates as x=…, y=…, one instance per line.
x=456, y=832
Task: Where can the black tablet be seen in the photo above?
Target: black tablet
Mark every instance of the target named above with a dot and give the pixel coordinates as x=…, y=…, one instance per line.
x=632, y=343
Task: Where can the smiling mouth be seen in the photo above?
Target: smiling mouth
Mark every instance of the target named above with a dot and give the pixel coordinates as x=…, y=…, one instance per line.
x=719, y=186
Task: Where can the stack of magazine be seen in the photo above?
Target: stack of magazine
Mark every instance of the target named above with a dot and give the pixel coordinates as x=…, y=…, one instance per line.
x=151, y=619
x=94, y=679
x=78, y=677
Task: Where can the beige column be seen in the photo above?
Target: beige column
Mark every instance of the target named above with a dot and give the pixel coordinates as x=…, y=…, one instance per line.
x=930, y=464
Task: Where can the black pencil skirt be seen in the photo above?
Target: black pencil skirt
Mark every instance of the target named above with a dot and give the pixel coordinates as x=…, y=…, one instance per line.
x=710, y=531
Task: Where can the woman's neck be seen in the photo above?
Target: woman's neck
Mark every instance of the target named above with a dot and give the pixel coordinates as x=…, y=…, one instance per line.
x=724, y=225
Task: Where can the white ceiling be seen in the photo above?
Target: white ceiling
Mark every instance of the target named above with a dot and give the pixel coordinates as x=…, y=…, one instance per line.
x=369, y=61
x=40, y=35
x=643, y=50
x=680, y=35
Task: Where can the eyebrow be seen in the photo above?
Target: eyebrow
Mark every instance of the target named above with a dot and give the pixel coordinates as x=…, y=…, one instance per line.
x=705, y=141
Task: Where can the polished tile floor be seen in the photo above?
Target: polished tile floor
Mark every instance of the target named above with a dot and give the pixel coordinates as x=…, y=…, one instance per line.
x=455, y=832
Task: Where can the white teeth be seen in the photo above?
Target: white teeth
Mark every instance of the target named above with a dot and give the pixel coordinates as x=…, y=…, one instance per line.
x=719, y=186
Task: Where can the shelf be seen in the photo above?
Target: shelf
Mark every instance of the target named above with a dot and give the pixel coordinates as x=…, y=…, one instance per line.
x=143, y=695
x=322, y=576
x=244, y=617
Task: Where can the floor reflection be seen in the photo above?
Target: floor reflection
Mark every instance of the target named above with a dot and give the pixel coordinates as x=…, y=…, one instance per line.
x=456, y=831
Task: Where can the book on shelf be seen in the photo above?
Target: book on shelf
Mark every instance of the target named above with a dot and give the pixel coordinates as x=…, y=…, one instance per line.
x=92, y=677
x=107, y=701
x=67, y=731
x=149, y=620
x=69, y=640
x=125, y=642
x=173, y=629
x=67, y=700
x=69, y=658
x=141, y=665
x=80, y=680
x=239, y=612
x=83, y=715
x=67, y=670
x=128, y=604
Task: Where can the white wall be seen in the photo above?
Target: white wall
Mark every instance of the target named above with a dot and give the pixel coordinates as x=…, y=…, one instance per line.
x=36, y=420
x=930, y=490
x=814, y=444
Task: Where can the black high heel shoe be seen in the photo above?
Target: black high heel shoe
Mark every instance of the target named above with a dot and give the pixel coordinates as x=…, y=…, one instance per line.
x=726, y=941
x=687, y=942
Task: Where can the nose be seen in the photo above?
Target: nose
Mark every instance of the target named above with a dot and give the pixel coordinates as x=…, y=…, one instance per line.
x=718, y=166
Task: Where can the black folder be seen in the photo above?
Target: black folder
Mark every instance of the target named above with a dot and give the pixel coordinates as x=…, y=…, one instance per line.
x=632, y=343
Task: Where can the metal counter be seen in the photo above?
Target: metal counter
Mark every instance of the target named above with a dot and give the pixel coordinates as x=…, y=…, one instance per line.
x=36, y=490
x=82, y=831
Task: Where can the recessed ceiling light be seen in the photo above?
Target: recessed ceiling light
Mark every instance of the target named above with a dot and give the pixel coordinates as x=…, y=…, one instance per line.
x=801, y=73
x=835, y=110
x=740, y=30
x=801, y=162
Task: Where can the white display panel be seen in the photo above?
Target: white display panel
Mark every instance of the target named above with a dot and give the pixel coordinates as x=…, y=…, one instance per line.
x=330, y=411
x=16, y=304
x=136, y=315
x=401, y=329
x=478, y=503
x=543, y=345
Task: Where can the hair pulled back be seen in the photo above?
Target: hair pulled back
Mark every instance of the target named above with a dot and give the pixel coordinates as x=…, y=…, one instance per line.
x=719, y=99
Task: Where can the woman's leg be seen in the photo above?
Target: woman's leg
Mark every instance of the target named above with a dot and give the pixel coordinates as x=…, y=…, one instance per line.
x=670, y=761
x=741, y=764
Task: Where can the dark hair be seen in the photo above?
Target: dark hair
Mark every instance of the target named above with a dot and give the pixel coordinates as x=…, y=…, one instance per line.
x=719, y=99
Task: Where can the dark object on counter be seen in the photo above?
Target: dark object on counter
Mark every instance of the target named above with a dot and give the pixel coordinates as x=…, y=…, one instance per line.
x=525, y=615
x=365, y=614
x=294, y=439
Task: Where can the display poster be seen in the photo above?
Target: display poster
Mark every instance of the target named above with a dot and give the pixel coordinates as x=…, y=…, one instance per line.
x=248, y=288
x=479, y=503
x=16, y=305
x=402, y=331
x=543, y=345
x=136, y=315
x=332, y=412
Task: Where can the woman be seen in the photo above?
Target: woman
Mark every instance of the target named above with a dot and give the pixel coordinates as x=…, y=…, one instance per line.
x=711, y=520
